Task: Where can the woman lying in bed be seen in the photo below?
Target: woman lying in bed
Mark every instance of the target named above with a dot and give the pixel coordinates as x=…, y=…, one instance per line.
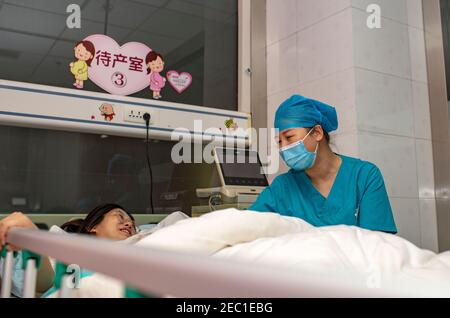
x=109, y=221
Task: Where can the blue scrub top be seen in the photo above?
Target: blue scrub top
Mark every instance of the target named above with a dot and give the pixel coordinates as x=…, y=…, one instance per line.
x=358, y=197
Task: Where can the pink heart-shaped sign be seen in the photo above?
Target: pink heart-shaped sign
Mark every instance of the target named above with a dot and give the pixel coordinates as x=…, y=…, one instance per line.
x=180, y=82
x=119, y=70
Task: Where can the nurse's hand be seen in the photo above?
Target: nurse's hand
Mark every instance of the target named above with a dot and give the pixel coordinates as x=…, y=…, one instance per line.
x=16, y=219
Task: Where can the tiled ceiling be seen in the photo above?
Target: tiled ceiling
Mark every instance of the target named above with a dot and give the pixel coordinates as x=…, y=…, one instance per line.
x=35, y=41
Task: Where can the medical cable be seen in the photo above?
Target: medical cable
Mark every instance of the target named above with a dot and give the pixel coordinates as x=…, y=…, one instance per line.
x=147, y=153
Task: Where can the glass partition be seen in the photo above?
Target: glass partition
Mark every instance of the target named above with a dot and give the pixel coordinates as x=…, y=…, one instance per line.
x=194, y=36
x=48, y=171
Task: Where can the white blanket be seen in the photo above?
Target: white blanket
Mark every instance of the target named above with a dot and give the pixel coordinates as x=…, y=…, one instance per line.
x=372, y=259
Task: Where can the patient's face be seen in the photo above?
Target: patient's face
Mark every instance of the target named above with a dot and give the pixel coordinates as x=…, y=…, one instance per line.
x=116, y=225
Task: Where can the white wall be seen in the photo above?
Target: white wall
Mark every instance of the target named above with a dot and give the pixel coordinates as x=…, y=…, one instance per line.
x=377, y=80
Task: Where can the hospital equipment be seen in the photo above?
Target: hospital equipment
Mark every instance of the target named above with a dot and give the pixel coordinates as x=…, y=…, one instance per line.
x=240, y=173
x=40, y=106
x=45, y=109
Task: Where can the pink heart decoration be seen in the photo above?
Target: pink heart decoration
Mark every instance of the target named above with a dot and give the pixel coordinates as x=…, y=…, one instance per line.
x=180, y=82
x=119, y=70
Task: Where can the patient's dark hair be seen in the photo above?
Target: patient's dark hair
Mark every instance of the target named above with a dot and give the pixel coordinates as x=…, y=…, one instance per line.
x=92, y=219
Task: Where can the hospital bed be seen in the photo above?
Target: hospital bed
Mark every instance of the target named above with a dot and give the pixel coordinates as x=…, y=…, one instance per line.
x=157, y=272
x=151, y=271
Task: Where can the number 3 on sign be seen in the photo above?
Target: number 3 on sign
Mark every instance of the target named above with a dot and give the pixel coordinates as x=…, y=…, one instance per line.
x=119, y=79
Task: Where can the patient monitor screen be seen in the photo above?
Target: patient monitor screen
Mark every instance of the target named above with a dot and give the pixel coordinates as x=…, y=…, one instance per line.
x=241, y=167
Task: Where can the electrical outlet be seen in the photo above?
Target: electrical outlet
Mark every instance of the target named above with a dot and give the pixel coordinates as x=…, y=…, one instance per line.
x=133, y=114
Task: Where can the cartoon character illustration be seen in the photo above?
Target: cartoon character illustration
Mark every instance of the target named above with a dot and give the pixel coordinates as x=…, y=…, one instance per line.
x=230, y=124
x=155, y=65
x=84, y=52
x=107, y=111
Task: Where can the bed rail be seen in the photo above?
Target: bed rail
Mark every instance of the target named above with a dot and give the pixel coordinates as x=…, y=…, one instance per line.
x=158, y=272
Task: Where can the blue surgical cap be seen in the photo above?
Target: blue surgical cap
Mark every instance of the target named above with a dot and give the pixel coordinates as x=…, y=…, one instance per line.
x=302, y=112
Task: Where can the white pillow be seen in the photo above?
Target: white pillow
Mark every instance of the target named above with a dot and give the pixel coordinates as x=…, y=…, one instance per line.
x=57, y=229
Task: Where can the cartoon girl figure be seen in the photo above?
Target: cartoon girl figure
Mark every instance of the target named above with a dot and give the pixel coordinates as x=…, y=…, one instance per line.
x=107, y=111
x=84, y=52
x=155, y=65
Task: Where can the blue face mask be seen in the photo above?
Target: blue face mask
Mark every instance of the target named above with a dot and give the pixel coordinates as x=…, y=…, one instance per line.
x=297, y=156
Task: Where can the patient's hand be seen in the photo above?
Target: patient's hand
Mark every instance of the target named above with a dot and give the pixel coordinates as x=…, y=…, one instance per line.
x=16, y=219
